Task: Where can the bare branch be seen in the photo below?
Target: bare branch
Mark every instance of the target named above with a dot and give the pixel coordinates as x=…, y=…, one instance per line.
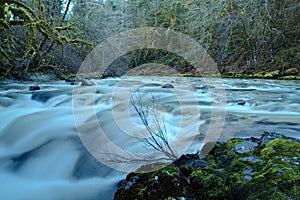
x=157, y=132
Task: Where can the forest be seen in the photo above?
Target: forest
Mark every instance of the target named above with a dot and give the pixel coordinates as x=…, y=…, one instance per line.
x=257, y=38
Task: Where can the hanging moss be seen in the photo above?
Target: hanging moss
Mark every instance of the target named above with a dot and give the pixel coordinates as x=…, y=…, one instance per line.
x=38, y=32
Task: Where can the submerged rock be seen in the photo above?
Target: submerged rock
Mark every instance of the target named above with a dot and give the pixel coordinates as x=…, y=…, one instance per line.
x=87, y=82
x=253, y=168
x=34, y=87
x=71, y=80
x=168, y=86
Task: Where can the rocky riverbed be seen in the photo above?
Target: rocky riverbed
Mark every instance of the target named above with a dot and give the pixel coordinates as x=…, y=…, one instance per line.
x=267, y=167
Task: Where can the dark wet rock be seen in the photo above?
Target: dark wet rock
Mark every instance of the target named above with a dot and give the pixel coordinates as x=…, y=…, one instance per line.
x=267, y=137
x=168, y=86
x=86, y=77
x=245, y=147
x=71, y=80
x=241, y=102
x=202, y=87
x=248, y=172
x=240, y=89
x=87, y=82
x=129, y=183
x=252, y=159
x=198, y=164
x=248, y=177
x=34, y=87
x=248, y=168
x=151, y=85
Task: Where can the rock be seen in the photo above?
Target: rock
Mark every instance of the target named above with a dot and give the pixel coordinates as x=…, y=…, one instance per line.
x=268, y=76
x=248, y=177
x=291, y=72
x=87, y=82
x=198, y=164
x=240, y=102
x=275, y=73
x=70, y=80
x=168, y=86
x=268, y=137
x=258, y=75
x=252, y=159
x=202, y=87
x=290, y=77
x=252, y=168
x=245, y=147
x=86, y=77
x=34, y=87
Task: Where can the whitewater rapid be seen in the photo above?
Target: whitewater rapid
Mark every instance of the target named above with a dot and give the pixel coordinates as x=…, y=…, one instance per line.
x=42, y=156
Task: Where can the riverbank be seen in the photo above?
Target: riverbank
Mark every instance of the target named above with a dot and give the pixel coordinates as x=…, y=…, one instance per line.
x=240, y=168
x=158, y=70
x=288, y=74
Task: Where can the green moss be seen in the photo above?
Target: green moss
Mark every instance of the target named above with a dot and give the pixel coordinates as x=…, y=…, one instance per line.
x=239, y=76
x=258, y=75
x=291, y=71
x=67, y=76
x=268, y=76
x=229, y=176
x=185, y=170
x=291, y=77
x=275, y=73
x=272, y=182
x=208, y=185
x=281, y=147
x=212, y=164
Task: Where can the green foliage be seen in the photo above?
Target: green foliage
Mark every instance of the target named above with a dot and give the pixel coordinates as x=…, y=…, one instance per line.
x=30, y=32
x=244, y=37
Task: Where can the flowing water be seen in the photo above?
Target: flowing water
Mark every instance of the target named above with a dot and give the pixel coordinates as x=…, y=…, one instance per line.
x=43, y=157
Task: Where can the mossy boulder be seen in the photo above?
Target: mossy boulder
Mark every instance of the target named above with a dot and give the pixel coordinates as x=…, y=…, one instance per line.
x=258, y=75
x=268, y=76
x=272, y=74
x=267, y=167
x=275, y=73
x=291, y=72
x=291, y=77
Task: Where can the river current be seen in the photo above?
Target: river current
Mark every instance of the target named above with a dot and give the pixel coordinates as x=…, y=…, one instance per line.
x=43, y=157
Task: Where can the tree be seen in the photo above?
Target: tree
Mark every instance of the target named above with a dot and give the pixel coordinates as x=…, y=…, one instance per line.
x=40, y=27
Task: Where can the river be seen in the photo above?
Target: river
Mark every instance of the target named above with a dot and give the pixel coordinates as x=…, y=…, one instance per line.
x=43, y=157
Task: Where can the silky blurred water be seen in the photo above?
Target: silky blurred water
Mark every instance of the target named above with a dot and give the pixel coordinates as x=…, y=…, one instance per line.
x=42, y=156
